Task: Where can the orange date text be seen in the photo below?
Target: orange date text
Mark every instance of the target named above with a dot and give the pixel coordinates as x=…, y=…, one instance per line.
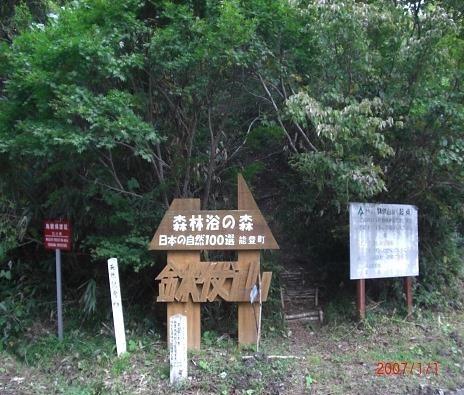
x=403, y=368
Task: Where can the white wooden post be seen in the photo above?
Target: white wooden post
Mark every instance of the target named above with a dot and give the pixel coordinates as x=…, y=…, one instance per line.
x=178, y=348
x=118, y=318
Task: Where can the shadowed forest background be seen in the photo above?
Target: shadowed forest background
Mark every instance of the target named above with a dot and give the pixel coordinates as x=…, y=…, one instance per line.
x=110, y=109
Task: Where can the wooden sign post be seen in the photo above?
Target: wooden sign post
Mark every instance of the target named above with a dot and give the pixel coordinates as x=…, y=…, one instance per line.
x=407, y=286
x=186, y=282
x=361, y=299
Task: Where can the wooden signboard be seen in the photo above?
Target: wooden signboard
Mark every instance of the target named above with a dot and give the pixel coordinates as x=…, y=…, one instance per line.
x=186, y=282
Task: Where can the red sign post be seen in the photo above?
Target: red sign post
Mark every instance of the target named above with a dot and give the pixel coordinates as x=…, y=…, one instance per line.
x=57, y=236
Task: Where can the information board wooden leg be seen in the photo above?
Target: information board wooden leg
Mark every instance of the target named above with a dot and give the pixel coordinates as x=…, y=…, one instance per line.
x=407, y=284
x=361, y=298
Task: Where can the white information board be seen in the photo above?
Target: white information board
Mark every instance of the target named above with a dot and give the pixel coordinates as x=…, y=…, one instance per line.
x=178, y=348
x=383, y=240
x=113, y=274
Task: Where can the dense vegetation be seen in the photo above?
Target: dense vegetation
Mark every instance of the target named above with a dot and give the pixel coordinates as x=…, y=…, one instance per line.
x=109, y=109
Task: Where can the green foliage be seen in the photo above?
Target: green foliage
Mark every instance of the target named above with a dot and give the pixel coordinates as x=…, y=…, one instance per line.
x=73, y=117
x=340, y=308
x=209, y=338
x=252, y=171
x=8, y=234
x=272, y=310
x=19, y=16
x=89, y=297
x=264, y=134
x=76, y=344
x=17, y=304
x=121, y=364
x=308, y=381
x=350, y=140
x=379, y=109
x=22, y=17
x=109, y=110
x=441, y=270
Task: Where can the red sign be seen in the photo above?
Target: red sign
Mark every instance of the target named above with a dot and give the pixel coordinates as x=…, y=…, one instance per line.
x=57, y=235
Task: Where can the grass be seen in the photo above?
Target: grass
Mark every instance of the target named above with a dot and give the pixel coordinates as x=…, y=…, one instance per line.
x=339, y=358
x=351, y=358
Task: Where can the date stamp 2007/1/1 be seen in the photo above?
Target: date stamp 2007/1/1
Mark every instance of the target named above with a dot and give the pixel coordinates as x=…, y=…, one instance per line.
x=402, y=368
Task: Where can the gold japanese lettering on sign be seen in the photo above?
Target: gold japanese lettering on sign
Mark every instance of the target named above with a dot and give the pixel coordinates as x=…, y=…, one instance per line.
x=210, y=281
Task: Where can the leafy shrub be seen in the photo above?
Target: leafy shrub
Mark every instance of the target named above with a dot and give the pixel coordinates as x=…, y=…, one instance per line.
x=16, y=306
x=441, y=273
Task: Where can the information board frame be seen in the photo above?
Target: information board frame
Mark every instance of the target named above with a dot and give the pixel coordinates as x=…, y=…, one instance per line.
x=384, y=240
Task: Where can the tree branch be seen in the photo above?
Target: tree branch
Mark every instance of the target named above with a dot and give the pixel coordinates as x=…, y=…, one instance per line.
x=279, y=119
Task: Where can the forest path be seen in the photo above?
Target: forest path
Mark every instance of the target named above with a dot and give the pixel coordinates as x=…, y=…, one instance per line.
x=300, y=294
